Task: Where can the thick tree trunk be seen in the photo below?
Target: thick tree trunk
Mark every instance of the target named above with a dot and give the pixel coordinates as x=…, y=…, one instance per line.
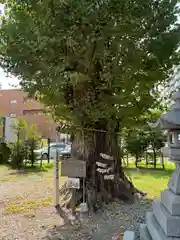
x=89, y=146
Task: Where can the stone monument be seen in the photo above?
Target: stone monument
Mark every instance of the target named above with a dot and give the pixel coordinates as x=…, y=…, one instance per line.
x=164, y=222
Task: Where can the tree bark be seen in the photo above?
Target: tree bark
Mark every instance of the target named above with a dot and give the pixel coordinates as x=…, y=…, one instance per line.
x=155, y=157
x=146, y=158
x=89, y=146
x=136, y=161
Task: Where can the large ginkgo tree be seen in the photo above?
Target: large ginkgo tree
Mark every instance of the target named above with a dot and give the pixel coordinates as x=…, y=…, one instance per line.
x=96, y=64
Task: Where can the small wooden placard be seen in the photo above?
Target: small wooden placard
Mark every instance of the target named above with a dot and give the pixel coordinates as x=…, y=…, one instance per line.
x=73, y=183
x=106, y=156
x=73, y=168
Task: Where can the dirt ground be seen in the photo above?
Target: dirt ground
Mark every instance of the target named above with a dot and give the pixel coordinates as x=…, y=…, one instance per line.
x=27, y=212
x=26, y=208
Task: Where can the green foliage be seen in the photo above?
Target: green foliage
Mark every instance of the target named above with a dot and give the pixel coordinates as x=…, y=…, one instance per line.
x=31, y=143
x=4, y=153
x=32, y=132
x=1, y=121
x=156, y=139
x=23, y=148
x=140, y=140
x=136, y=144
x=18, y=152
x=91, y=60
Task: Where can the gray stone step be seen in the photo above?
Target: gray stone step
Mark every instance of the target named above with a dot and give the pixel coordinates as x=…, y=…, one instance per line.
x=174, y=182
x=154, y=228
x=129, y=235
x=171, y=201
x=170, y=224
x=144, y=233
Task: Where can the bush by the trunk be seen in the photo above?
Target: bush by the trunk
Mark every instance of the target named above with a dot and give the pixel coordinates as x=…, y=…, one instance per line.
x=17, y=157
x=4, y=153
x=22, y=150
x=31, y=145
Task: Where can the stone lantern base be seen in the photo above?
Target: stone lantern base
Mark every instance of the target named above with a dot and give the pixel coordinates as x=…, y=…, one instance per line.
x=164, y=222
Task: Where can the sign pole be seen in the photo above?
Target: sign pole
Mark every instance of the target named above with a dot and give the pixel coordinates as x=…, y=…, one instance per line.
x=84, y=191
x=48, y=150
x=56, y=177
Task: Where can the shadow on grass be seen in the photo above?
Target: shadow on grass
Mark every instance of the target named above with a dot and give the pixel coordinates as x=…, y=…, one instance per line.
x=155, y=173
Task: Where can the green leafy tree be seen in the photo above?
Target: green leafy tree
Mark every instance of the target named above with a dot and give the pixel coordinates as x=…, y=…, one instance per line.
x=156, y=140
x=18, y=152
x=155, y=137
x=136, y=144
x=32, y=138
x=140, y=140
x=95, y=63
x=26, y=142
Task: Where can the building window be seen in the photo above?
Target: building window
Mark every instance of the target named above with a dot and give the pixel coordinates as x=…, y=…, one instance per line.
x=28, y=100
x=13, y=101
x=34, y=112
x=12, y=115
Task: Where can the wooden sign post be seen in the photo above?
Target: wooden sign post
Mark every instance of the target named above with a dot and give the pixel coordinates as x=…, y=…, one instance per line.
x=73, y=168
x=56, y=180
x=121, y=236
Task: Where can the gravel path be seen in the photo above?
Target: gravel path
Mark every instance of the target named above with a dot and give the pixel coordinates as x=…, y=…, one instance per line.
x=42, y=221
x=108, y=224
x=33, y=221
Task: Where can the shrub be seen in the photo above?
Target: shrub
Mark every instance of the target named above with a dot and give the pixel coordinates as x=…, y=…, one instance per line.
x=32, y=138
x=18, y=153
x=31, y=156
x=22, y=150
x=4, y=153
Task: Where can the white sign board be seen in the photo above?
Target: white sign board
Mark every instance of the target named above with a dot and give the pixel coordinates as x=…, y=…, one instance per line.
x=109, y=177
x=73, y=183
x=106, y=157
x=8, y=132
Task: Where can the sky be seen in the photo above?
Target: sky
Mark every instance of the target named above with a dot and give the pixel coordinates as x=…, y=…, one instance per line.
x=7, y=82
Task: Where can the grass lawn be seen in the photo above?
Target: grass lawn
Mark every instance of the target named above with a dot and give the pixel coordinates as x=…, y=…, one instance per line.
x=151, y=181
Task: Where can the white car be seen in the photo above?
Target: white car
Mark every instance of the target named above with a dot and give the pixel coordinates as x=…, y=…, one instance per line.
x=53, y=149
x=66, y=152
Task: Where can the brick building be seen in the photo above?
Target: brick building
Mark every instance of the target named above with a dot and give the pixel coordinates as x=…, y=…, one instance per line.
x=15, y=103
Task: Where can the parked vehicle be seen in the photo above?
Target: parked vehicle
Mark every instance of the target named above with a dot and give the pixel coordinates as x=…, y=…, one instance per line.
x=66, y=152
x=53, y=149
